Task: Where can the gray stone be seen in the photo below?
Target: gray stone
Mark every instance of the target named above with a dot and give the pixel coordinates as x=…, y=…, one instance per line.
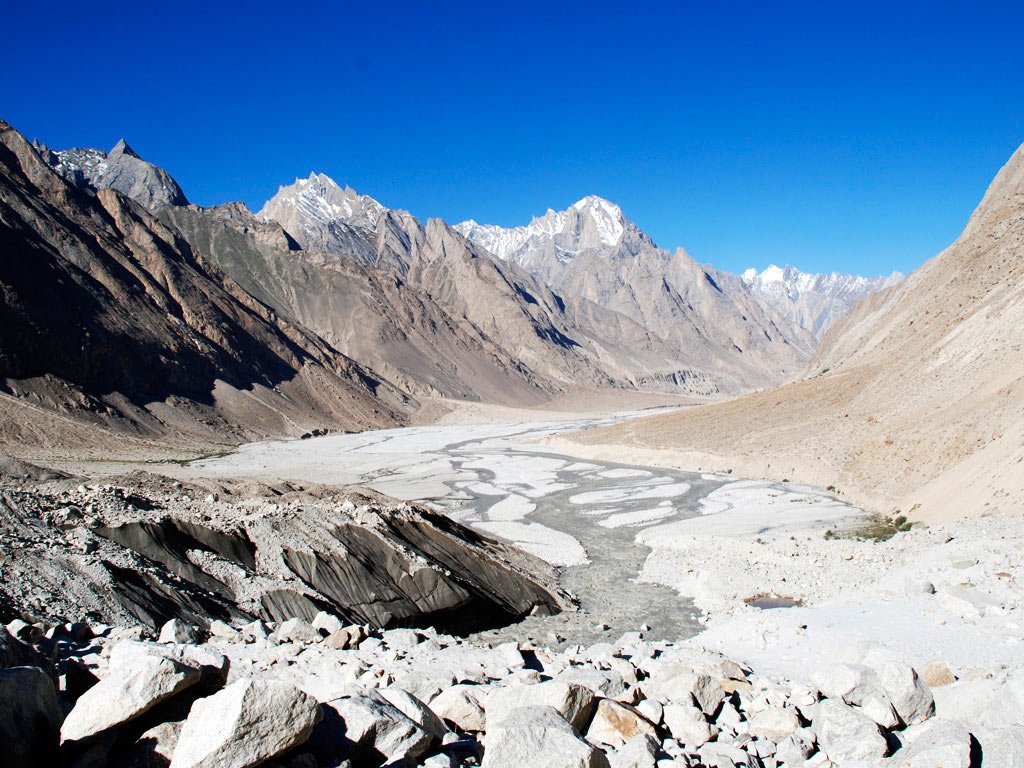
x=910, y=697
x=638, y=752
x=687, y=725
x=296, y=631
x=572, y=701
x=372, y=727
x=935, y=743
x=245, y=724
x=176, y=631
x=416, y=711
x=538, y=737
x=462, y=706
x=845, y=734
x=345, y=638
x=774, y=724
x=129, y=690
x=327, y=623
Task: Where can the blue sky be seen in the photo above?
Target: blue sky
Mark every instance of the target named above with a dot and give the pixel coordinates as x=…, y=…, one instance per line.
x=848, y=136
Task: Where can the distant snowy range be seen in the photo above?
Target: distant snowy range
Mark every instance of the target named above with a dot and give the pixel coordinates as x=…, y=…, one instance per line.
x=814, y=301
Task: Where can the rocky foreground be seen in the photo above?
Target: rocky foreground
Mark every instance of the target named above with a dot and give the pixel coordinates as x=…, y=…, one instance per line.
x=298, y=693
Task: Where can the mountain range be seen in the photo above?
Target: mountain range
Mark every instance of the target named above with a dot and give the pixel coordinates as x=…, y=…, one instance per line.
x=813, y=301
x=914, y=402
x=326, y=309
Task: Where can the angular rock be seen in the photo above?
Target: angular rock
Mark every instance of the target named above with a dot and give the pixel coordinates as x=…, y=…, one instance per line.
x=846, y=735
x=607, y=683
x=30, y=718
x=538, y=737
x=572, y=701
x=462, y=706
x=176, y=631
x=128, y=690
x=774, y=724
x=935, y=743
x=246, y=723
x=296, y=630
x=687, y=725
x=154, y=748
x=368, y=728
x=614, y=724
x=860, y=686
x=638, y=752
x=15, y=653
x=415, y=710
x=793, y=750
x=345, y=638
x=910, y=697
x=935, y=674
x=682, y=685
x=327, y=623
x=224, y=630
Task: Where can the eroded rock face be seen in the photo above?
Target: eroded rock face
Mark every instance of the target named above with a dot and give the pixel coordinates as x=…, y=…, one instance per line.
x=245, y=724
x=179, y=558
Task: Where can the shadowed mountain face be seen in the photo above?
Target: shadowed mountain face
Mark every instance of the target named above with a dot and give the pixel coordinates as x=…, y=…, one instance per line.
x=109, y=314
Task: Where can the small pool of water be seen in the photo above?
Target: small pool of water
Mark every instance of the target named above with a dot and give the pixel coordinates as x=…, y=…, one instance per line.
x=769, y=602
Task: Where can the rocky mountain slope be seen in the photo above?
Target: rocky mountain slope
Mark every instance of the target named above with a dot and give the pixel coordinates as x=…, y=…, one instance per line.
x=813, y=301
x=916, y=400
x=121, y=169
x=110, y=319
x=591, y=254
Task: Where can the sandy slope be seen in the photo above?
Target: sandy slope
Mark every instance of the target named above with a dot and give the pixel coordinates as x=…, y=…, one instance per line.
x=916, y=400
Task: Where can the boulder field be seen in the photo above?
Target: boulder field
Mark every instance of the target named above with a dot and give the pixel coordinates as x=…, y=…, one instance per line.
x=301, y=693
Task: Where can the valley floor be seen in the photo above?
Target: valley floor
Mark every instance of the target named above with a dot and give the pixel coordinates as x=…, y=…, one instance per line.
x=686, y=552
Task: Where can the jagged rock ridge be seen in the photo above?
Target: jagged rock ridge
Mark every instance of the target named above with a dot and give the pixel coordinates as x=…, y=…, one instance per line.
x=814, y=301
x=111, y=317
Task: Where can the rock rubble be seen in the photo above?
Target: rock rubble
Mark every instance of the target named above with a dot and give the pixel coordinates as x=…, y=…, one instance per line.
x=285, y=695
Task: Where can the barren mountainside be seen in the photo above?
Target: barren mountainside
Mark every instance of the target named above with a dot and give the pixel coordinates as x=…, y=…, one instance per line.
x=110, y=319
x=917, y=392
x=591, y=254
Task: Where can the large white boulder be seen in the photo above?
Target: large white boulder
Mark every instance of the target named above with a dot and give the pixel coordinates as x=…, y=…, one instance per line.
x=245, y=724
x=681, y=685
x=371, y=726
x=687, y=725
x=774, y=723
x=129, y=690
x=638, y=752
x=415, y=710
x=935, y=743
x=845, y=734
x=910, y=697
x=463, y=706
x=572, y=701
x=538, y=737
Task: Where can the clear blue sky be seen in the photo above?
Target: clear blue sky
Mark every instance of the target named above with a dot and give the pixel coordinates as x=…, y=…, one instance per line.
x=853, y=136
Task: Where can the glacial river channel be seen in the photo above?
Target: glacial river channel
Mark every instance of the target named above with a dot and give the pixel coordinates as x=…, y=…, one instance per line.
x=580, y=516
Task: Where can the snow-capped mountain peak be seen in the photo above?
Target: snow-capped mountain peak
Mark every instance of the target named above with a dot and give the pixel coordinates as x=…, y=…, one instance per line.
x=318, y=200
x=556, y=237
x=813, y=300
